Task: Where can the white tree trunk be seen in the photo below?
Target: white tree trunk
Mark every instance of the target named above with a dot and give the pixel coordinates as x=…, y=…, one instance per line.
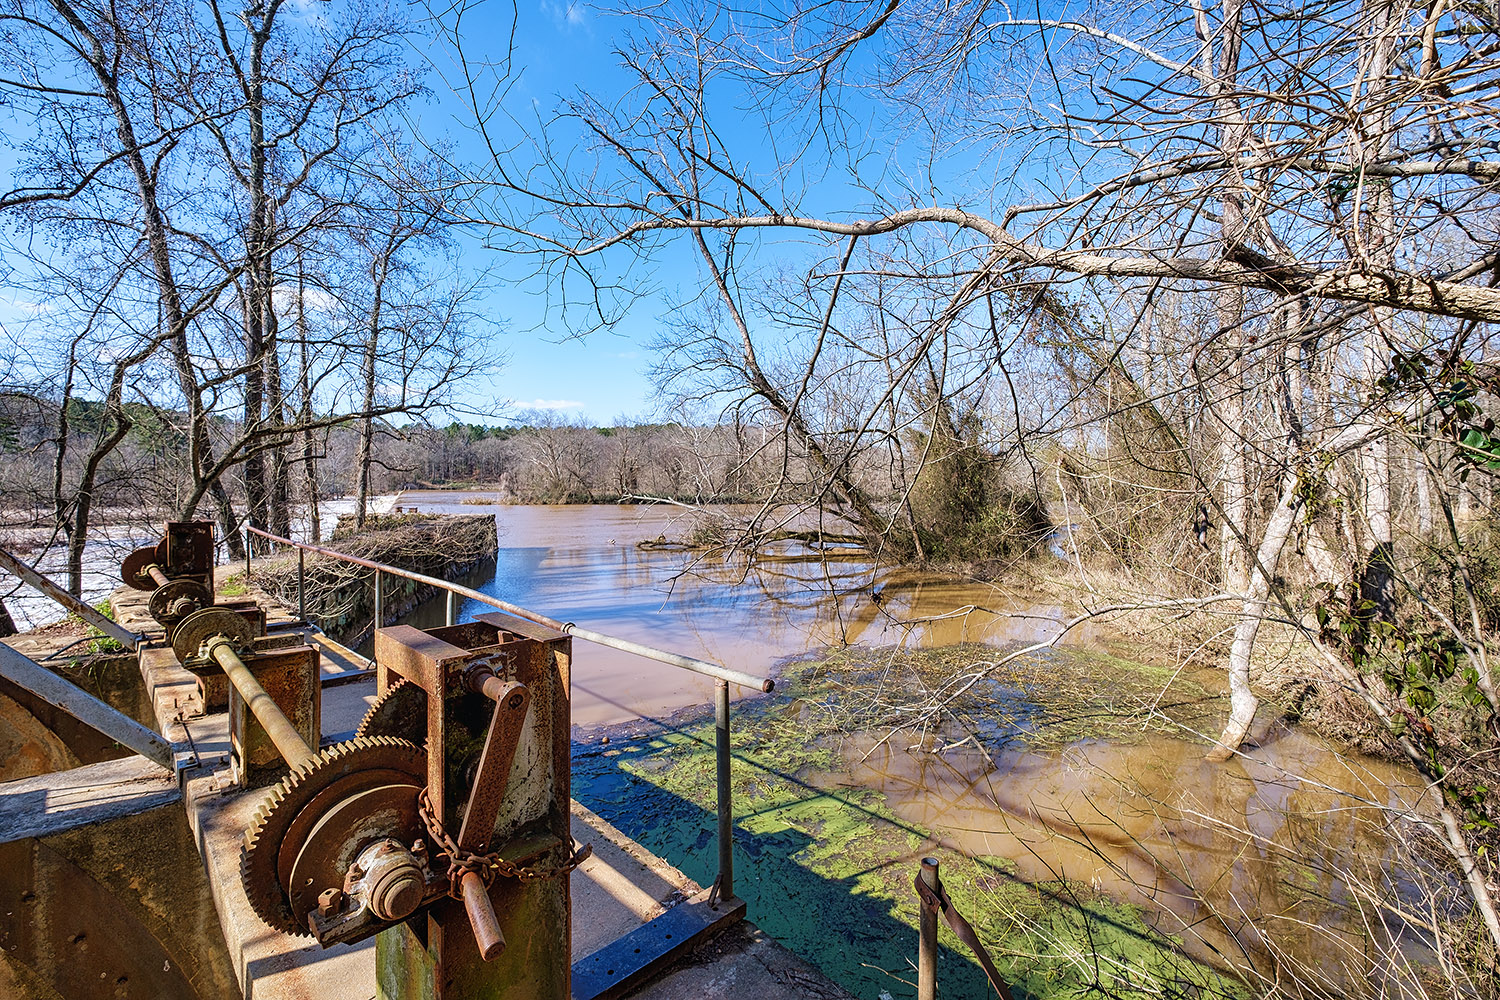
x=1242, y=701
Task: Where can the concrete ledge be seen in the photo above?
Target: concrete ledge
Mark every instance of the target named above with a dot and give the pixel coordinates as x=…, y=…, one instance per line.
x=52, y=803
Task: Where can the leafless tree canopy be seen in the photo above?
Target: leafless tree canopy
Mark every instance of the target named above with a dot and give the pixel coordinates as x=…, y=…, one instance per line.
x=1215, y=286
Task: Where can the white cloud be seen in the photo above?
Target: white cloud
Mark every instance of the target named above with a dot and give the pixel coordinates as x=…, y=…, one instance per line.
x=314, y=299
x=551, y=404
x=570, y=13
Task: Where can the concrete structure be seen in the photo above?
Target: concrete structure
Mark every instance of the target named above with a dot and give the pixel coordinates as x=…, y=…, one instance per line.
x=121, y=879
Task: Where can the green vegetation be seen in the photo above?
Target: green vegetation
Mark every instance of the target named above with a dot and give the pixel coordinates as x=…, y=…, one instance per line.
x=810, y=842
x=1039, y=701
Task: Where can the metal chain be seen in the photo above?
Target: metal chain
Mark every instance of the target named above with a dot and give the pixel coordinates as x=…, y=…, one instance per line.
x=487, y=866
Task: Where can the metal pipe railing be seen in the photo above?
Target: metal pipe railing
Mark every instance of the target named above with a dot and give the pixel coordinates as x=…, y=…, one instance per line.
x=724, y=676
x=714, y=670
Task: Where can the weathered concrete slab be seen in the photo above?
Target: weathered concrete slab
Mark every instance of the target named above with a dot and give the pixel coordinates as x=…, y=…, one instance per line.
x=620, y=887
x=345, y=705
x=742, y=963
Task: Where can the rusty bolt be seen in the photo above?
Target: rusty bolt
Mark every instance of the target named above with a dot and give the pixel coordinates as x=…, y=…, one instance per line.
x=515, y=700
x=330, y=902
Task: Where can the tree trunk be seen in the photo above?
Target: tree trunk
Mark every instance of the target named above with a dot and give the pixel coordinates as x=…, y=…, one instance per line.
x=1242, y=701
x=1235, y=488
x=304, y=387
x=379, y=269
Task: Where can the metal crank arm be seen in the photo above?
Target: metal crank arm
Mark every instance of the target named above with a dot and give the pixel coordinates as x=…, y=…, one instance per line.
x=512, y=701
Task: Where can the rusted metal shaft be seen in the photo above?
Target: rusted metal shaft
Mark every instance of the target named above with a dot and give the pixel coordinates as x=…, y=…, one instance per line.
x=491, y=685
x=482, y=918
x=155, y=572
x=278, y=727
x=927, y=936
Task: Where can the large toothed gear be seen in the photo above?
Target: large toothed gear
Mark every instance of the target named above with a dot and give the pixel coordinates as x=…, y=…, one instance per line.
x=401, y=711
x=314, y=823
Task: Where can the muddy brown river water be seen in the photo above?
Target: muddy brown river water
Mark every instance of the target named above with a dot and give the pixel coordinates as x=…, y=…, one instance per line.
x=582, y=563
x=1251, y=865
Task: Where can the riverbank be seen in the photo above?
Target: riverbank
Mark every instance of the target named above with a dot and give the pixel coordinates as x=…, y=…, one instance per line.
x=340, y=596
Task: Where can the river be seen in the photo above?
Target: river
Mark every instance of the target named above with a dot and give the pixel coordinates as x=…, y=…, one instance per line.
x=584, y=564
x=1248, y=866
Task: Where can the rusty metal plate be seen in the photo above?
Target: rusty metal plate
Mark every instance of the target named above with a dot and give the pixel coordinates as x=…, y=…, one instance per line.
x=133, y=569
x=354, y=823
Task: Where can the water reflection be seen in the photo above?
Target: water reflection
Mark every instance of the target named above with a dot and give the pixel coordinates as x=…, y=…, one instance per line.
x=1278, y=861
x=583, y=563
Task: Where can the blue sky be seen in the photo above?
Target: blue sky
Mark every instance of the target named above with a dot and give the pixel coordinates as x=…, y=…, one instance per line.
x=561, y=47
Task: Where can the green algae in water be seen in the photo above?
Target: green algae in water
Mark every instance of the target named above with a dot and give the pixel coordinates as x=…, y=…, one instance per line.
x=827, y=869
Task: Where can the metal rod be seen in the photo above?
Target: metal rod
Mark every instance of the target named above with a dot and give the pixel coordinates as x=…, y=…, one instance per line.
x=452, y=608
x=289, y=743
x=379, y=609
x=927, y=936
x=726, y=808
x=61, y=693
x=89, y=614
x=155, y=573
x=302, y=585
x=248, y=529
x=487, y=934
x=704, y=667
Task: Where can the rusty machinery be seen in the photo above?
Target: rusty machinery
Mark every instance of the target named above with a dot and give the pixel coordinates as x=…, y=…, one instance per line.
x=444, y=823
x=178, y=571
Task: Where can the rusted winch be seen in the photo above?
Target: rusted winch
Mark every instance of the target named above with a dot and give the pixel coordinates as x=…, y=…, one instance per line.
x=178, y=571
x=412, y=814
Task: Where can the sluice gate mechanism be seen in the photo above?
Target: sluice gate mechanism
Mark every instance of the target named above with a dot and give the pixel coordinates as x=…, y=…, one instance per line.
x=444, y=821
x=423, y=847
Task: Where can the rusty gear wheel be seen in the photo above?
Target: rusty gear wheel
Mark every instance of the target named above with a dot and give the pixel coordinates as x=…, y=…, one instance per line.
x=133, y=569
x=286, y=822
x=400, y=712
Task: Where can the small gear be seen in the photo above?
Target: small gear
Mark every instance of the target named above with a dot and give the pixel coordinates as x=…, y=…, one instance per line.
x=286, y=820
x=400, y=712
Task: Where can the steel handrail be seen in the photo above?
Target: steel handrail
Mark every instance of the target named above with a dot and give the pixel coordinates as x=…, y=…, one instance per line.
x=723, y=676
x=714, y=670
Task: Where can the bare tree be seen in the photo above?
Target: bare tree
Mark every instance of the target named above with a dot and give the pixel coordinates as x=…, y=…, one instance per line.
x=1322, y=173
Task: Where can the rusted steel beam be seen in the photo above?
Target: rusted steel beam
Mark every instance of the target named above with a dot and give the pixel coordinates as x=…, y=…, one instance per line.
x=89, y=614
x=22, y=671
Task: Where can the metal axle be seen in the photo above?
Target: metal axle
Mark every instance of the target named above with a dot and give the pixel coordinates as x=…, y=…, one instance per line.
x=273, y=720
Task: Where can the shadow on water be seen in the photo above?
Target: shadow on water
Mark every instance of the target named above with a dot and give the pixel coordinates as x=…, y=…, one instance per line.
x=828, y=871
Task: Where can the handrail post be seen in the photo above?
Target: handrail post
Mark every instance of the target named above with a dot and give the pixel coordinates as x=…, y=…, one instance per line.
x=247, y=553
x=726, y=814
x=379, y=609
x=927, y=935
x=452, y=608
x=302, y=583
